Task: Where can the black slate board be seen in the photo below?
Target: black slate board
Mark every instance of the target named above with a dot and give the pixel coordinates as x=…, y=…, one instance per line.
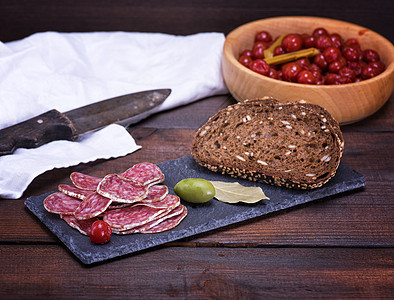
x=201, y=217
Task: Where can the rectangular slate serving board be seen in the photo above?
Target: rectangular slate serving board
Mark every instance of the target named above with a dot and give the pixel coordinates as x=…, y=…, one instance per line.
x=201, y=217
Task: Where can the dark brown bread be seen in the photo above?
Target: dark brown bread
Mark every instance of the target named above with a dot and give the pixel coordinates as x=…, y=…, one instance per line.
x=297, y=145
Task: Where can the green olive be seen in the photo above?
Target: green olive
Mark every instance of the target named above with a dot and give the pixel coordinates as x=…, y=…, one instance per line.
x=195, y=190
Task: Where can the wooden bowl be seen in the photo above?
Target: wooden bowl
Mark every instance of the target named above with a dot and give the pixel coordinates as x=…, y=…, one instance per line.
x=347, y=103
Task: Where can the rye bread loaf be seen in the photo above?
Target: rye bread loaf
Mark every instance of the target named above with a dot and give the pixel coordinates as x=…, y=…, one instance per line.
x=296, y=145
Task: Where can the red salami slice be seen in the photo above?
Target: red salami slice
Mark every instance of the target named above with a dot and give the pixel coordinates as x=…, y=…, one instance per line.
x=92, y=206
x=60, y=203
x=145, y=173
x=85, y=182
x=166, y=215
x=156, y=193
x=133, y=216
x=169, y=202
x=168, y=223
x=83, y=226
x=121, y=189
x=73, y=191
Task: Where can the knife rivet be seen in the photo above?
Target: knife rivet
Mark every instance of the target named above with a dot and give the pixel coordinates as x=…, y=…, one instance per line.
x=40, y=121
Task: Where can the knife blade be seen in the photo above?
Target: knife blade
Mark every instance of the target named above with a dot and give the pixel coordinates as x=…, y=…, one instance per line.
x=54, y=125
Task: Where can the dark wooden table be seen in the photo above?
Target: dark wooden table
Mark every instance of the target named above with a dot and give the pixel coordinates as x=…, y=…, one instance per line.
x=338, y=247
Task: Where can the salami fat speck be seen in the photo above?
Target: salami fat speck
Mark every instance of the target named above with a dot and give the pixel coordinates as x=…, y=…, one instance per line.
x=85, y=182
x=73, y=191
x=121, y=189
x=83, y=226
x=60, y=203
x=145, y=173
x=92, y=206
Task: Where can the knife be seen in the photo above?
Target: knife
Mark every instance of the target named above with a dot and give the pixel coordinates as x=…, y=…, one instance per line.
x=54, y=125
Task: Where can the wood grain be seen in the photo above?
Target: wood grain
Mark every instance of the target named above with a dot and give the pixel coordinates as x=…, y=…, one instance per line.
x=200, y=273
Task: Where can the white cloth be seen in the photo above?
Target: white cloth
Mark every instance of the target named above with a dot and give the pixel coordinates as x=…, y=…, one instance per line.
x=68, y=70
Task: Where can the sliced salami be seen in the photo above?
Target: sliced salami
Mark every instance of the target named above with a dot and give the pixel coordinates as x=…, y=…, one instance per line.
x=156, y=193
x=166, y=215
x=133, y=216
x=73, y=191
x=94, y=205
x=169, y=202
x=116, y=205
x=60, y=203
x=145, y=173
x=83, y=226
x=85, y=182
x=122, y=189
x=168, y=224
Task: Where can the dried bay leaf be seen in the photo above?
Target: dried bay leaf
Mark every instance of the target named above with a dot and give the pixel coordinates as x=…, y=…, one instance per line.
x=233, y=192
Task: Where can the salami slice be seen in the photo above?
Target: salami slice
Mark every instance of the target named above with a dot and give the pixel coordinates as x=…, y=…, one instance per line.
x=133, y=216
x=167, y=224
x=156, y=193
x=83, y=226
x=166, y=215
x=121, y=189
x=169, y=202
x=94, y=205
x=116, y=205
x=145, y=173
x=60, y=203
x=85, y=182
x=73, y=191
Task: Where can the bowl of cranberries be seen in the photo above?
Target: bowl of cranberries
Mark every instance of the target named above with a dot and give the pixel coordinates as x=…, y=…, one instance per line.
x=346, y=68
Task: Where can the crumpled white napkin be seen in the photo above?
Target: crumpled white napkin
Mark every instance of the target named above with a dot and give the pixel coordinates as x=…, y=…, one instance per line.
x=68, y=70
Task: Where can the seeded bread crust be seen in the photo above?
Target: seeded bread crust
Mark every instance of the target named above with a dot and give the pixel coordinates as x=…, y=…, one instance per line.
x=296, y=145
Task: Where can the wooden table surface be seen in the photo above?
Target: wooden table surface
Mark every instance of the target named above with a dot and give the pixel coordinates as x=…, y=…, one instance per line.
x=338, y=247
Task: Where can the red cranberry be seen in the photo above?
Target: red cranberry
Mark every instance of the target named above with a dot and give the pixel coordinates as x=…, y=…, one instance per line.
x=308, y=41
x=320, y=61
x=315, y=68
x=246, y=52
x=292, y=42
x=335, y=66
x=319, y=32
x=318, y=75
x=352, y=43
x=355, y=66
x=263, y=36
x=279, y=50
x=370, y=55
x=331, y=54
x=379, y=65
x=351, y=53
x=347, y=72
x=336, y=40
x=323, y=42
x=260, y=66
x=306, y=77
x=273, y=73
x=304, y=63
x=331, y=78
x=290, y=71
x=245, y=60
x=258, y=52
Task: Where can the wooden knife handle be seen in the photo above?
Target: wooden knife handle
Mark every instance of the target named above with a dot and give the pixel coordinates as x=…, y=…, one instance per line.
x=32, y=133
